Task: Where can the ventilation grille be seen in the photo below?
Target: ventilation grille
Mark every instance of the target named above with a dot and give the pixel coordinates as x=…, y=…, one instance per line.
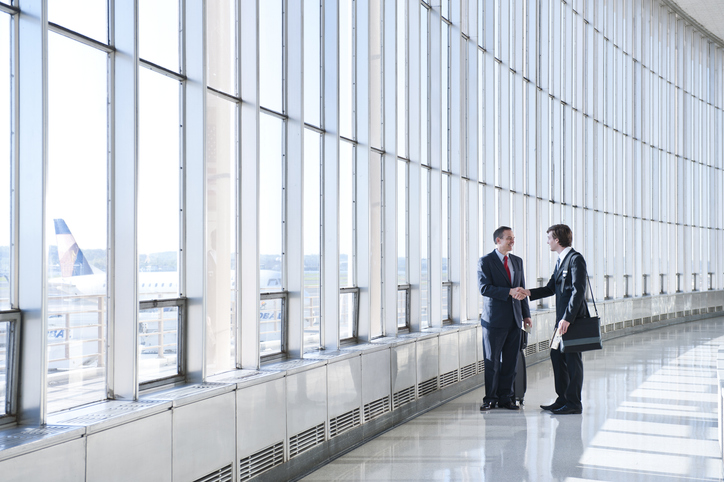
x=618, y=325
x=647, y=319
x=712, y=309
x=481, y=366
x=449, y=378
x=427, y=387
x=344, y=422
x=306, y=440
x=467, y=371
x=377, y=408
x=261, y=461
x=544, y=345
x=628, y=323
x=637, y=322
x=531, y=349
x=654, y=318
x=222, y=475
x=663, y=317
x=695, y=311
x=720, y=308
x=402, y=397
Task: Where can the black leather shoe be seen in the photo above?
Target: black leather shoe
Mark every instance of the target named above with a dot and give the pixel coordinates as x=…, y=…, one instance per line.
x=487, y=406
x=567, y=410
x=510, y=405
x=553, y=406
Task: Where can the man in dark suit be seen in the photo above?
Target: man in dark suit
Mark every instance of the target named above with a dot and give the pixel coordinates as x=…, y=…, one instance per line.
x=568, y=284
x=505, y=308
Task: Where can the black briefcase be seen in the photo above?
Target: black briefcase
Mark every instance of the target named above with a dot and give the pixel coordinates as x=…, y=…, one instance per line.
x=584, y=334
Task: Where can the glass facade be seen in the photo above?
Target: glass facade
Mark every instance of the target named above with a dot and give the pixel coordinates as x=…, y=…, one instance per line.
x=326, y=172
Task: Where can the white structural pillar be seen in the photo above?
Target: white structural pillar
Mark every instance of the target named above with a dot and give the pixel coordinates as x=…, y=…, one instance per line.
x=32, y=142
x=249, y=199
x=415, y=152
x=194, y=206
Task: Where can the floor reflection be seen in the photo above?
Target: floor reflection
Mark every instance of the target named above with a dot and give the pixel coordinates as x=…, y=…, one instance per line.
x=650, y=414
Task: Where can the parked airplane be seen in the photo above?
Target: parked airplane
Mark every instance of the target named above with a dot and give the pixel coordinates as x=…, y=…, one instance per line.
x=79, y=277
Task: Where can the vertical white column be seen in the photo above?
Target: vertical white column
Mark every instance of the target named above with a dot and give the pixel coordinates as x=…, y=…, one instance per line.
x=457, y=204
x=123, y=306
x=32, y=95
x=330, y=216
x=362, y=176
x=195, y=189
x=470, y=294
x=389, y=166
x=294, y=212
x=248, y=282
x=437, y=70
x=415, y=78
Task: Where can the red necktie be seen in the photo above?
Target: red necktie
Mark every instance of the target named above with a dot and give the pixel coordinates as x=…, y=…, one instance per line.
x=507, y=270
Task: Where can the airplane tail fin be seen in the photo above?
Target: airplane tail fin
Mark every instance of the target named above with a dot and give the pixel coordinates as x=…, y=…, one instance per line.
x=72, y=260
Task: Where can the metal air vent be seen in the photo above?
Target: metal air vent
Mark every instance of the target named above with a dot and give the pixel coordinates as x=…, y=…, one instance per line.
x=544, y=345
x=306, y=440
x=720, y=308
x=647, y=319
x=426, y=387
x=481, y=366
x=695, y=311
x=663, y=316
x=261, y=461
x=344, y=422
x=618, y=325
x=712, y=309
x=449, y=378
x=224, y=474
x=687, y=313
x=628, y=323
x=467, y=371
x=654, y=318
x=402, y=397
x=377, y=408
x=531, y=349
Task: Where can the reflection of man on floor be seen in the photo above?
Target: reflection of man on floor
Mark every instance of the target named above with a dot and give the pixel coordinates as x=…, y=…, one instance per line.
x=506, y=442
x=567, y=449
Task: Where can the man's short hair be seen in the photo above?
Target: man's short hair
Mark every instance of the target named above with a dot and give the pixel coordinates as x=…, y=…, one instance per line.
x=498, y=233
x=562, y=233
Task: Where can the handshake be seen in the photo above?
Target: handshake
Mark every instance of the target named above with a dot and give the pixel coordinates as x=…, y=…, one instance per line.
x=519, y=293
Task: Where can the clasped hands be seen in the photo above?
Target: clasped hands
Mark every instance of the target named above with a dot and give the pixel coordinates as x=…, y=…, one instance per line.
x=519, y=293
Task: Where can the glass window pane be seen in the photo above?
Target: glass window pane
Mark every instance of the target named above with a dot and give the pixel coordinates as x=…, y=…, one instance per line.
x=158, y=36
x=221, y=196
x=157, y=343
x=346, y=66
x=158, y=186
x=445, y=234
x=271, y=55
x=4, y=326
x=5, y=164
x=402, y=221
x=347, y=220
x=312, y=239
x=312, y=62
x=424, y=83
x=221, y=46
x=402, y=79
x=445, y=97
x=270, y=326
x=271, y=198
x=346, y=316
x=424, y=248
x=402, y=309
x=93, y=22
x=76, y=219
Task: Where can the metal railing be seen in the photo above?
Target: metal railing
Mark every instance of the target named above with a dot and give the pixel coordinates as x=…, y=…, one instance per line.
x=403, y=307
x=9, y=358
x=160, y=332
x=447, y=302
x=83, y=322
x=272, y=324
x=349, y=314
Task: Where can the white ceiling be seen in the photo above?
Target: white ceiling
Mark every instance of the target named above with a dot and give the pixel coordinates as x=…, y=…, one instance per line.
x=709, y=13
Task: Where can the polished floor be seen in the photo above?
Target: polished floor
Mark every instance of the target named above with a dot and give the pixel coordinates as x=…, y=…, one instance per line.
x=650, y=414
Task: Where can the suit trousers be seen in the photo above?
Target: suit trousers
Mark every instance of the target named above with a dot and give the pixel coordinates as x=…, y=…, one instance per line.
x=568, y=377
x=500, y=347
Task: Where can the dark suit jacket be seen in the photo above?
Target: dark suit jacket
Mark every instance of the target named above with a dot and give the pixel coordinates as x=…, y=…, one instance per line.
x=499, y=308
x=569, y=285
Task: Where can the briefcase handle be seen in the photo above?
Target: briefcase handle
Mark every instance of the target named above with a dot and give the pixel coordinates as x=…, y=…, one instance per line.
x=592, y=298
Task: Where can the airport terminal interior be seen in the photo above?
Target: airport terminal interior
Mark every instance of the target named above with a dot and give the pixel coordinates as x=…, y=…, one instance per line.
x=239, y=239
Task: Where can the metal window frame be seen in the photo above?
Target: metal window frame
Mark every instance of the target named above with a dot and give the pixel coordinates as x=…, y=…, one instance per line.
x=180, y=376
x=447, y=286
x=284, y=296
x=12, y=352
x=406, y=327
x=355, y=316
